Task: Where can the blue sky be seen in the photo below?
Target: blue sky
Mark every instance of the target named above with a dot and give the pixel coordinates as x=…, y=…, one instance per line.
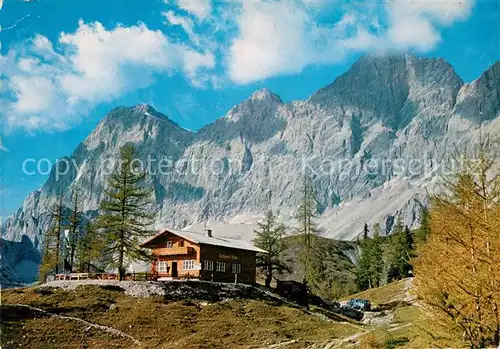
x=64, y=64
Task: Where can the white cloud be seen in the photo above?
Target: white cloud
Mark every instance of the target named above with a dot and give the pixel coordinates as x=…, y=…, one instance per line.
x=194, y=60
x=416, y=24
x=363, y=40
x=284, y=37
x=198, y=8
x=444, y=12
x=50, y=89
x=185, y=22
x=100, y=59
x=276, y=38
x=413, y=32
x=270, y=34
x=34, y=94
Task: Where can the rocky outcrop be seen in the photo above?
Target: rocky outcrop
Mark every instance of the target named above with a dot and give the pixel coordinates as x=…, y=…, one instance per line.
x=18, y=261
x=479, y=101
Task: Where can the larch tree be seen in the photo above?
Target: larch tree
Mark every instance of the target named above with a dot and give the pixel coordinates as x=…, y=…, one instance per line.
x=74, y=229
x=124, y=215
x=49, y=261
x=456, y=271
x=51, y=252
x=269, y=237
x=89, y=248
x=56, y=232
x=306, y=214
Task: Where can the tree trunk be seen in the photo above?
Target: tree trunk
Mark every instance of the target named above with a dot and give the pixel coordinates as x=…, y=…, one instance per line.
x=121, y=269
x=58, y=246
x=59, y=218
x=72, y=256
x=269, y=277
x=121, y=273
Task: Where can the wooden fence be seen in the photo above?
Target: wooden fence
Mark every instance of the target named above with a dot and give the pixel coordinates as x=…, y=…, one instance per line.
x=106, y=276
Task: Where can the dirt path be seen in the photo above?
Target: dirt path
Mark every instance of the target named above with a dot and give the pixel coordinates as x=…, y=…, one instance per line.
x=333, y=344
x=351, y=340
x=409, y=296
x=280, y=345
x=84, y=322
x=338, y=318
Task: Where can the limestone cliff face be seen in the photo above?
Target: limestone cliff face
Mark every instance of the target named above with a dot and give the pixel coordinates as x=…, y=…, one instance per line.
x=480, y=100
x=383, y=110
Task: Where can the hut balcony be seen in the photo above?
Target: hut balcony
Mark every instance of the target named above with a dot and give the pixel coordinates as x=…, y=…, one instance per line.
x=173, y=251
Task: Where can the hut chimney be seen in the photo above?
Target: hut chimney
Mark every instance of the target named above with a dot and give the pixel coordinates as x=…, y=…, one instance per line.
x=209, y=232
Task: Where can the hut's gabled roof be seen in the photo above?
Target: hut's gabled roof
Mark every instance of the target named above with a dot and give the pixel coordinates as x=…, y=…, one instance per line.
x=199, y=238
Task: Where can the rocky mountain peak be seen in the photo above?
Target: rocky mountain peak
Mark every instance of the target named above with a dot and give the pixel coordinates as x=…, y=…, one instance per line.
x=139, y=123
x=262, y=103
x=385, y=73
x=395, y=63
x=381, y=60
x=388, y=88
x=255, y=119
x=145, y=109
x=137, y=114
x=265, y=94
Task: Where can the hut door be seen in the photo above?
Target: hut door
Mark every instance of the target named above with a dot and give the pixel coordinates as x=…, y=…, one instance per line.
x=174, y=269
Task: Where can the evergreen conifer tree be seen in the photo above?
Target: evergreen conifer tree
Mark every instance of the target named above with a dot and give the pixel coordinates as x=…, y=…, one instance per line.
x=51, y=251
x=424, y=229
x=371, y=263
x=56, y=232
x=308, y=230
x=269, y=237
x=366, y=231
x=49, y=261
x=376, y=255
x=125, y=217
x=89, y=248
x=74, y=230
x=363, y=277
x=403, y=250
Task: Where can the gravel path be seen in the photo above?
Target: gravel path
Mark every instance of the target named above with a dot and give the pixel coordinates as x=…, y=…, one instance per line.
x=131, y=288
x=201, y=290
